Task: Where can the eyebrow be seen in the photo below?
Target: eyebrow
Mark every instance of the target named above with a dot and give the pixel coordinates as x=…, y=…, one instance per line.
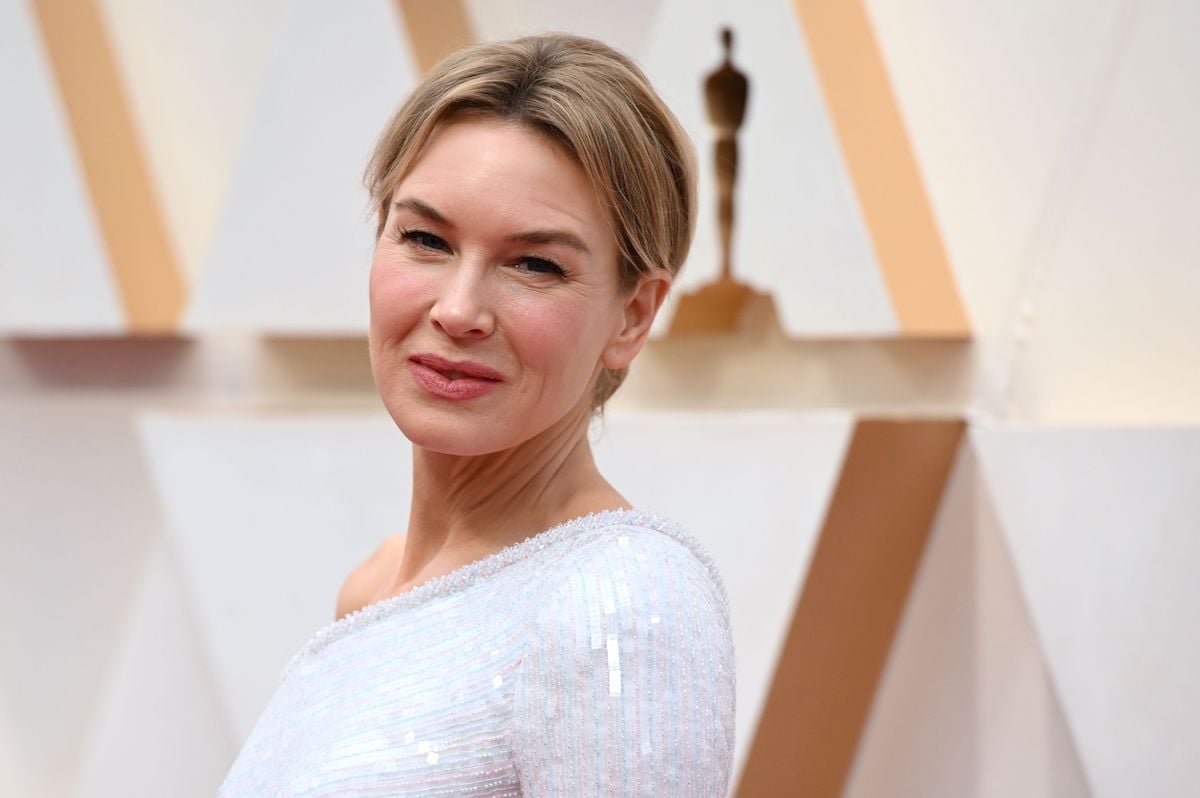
x=422, y=209
x=550, y=237
x=528, y=237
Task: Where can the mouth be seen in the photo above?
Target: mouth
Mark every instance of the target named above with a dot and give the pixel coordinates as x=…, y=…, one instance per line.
x=453, y=380
x=455, y=370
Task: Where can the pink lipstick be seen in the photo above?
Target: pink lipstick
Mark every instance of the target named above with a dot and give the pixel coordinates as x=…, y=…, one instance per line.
x=453, y=379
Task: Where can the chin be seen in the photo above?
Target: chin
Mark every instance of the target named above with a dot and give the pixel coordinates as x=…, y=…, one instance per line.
x=459, y=437
x=456, y=447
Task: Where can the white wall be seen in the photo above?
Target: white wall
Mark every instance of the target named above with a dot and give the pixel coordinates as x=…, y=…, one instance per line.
x=1047, y=645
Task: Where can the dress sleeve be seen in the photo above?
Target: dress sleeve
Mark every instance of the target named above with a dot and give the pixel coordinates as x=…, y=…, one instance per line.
x=627, y=688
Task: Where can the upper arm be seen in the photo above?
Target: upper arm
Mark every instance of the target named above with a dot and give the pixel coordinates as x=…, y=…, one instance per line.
x=627, y=686
x=362, y=584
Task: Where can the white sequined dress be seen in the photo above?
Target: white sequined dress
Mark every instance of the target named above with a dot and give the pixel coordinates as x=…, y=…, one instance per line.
x=594, y=659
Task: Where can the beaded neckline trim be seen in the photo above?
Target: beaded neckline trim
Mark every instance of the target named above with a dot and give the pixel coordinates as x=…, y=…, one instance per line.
x=463, y=577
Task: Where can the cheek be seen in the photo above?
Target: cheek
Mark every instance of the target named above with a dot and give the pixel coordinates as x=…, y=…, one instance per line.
x=396, y=297
x=562, y=339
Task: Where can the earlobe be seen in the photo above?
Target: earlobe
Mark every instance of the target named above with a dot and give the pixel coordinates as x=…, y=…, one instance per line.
x=640, y=308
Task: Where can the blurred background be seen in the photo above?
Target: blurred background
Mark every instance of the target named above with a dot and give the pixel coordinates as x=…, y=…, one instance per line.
x=943, y=439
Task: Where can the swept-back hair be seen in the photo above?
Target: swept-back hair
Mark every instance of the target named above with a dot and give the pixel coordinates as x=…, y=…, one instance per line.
x=599, y=107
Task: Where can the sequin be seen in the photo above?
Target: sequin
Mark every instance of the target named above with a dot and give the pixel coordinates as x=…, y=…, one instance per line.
x=592, y=659
x=614, y=666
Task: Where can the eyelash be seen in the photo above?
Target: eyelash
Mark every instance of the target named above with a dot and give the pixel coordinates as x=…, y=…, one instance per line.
x=420, y=238
x=423, y=239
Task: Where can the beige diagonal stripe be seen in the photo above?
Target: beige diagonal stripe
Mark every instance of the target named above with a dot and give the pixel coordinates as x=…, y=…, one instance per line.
x=842, y=628
x=435, y=28
x=131, y=222
x=880, y=160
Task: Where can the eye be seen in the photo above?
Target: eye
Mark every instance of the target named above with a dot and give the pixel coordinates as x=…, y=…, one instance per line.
x=534, y=265
x=421, y=239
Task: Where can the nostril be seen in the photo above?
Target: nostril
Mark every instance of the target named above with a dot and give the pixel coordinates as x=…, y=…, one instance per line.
x=461, y=321
x=455, y=329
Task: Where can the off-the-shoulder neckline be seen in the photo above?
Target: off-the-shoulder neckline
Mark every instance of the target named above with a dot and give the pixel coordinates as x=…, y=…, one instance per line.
x=466, y=575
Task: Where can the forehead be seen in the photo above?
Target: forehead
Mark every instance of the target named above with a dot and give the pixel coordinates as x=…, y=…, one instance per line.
x=486, y=168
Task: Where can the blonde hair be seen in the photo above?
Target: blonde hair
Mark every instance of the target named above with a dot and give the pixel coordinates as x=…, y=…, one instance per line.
x=599, y=107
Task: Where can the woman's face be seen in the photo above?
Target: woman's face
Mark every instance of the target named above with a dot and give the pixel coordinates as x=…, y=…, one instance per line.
x=493, y=291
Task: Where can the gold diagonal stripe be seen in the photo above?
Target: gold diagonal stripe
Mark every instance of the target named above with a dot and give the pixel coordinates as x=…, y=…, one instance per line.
x=131, y=222
x=874, y=534
x=435, y=28
x=882, y=168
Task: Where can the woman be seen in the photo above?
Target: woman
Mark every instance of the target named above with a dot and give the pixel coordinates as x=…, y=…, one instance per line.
x=535, y=200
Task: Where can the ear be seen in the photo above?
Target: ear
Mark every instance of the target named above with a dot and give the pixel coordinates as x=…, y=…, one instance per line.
x=638, y=312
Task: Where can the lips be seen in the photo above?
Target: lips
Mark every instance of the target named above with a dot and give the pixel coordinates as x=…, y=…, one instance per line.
x=458, y=369
x=453, y=379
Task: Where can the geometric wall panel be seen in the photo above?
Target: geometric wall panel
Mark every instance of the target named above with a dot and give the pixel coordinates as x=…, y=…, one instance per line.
x=269, y=515
x=993, y=130
x=293, y=245
x=79, y=513
x=12, y=779
x=841, y=630
x=1082, y=153
x=1120, y=280
x=192, y=73
x=887, y=182
x=120, y=186
x=240, y=489
x=1104, y=530
x=160, y=705
x=625, y=24
x=966, y=706
x=54, y=273
x=434, y=29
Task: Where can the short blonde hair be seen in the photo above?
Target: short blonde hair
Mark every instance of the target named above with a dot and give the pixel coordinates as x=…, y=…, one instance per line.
x=599, y=107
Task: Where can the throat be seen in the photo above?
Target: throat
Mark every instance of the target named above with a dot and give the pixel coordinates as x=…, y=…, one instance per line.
x=464, y=508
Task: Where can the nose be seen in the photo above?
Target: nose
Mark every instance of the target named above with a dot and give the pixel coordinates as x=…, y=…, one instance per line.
x=462, y=308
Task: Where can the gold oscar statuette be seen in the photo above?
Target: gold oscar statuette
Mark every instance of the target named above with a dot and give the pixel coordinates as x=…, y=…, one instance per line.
x=718, y=306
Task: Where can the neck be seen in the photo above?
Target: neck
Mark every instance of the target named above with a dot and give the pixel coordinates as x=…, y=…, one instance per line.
x=464, y=508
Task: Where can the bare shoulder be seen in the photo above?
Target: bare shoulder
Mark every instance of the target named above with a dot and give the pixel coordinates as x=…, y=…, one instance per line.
x=363, y=583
